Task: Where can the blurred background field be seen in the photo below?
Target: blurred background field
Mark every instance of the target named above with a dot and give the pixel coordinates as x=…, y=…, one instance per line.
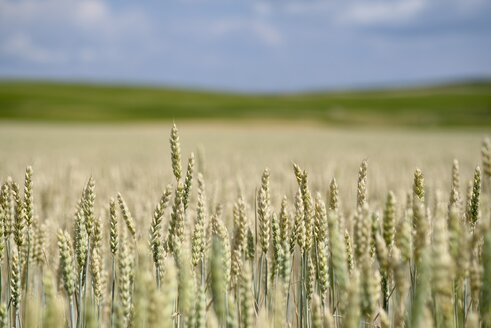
x=457, y=105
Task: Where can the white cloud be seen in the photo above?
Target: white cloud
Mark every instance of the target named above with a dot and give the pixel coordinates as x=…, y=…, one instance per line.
x=77, y=30
x=92, y=12
x=21, y=46
x=369, y=13
x=360, y=12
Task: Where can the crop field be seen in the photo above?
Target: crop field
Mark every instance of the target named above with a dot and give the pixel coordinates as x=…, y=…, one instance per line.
x=225, y=224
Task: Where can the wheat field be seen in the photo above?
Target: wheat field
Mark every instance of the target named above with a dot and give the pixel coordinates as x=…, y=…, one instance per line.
x=243, y=225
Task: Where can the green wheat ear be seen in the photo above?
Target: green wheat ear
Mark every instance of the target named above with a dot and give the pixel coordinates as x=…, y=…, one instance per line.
x=241, y=230
x=264, y=212
x=28, y=197
x=2, y=233
x=88, y=203
x=389, y=220
x=188, y=182
x=285, y=224
x=113, y=227
x=454, y=198
x=320, y=228
x=276, y=246
x=66, y=262
x=418, y=186
x=310, y=278
x=156, y=242
x=247, y=300
x=349, y=251
x=39, y=244
x=19, y=216
x=98, y=276
x=361, y=196
x=125, y=283
x=15, y=283
x=333, y=195
x=251, y=246
x=323, y=267
x=199, y=233
x=175, y=153
x=486, y=157
x=176, y=224
x=3, y=316
x=6, y=205
x=127, y=217
x=474, y=211
x=382, y=253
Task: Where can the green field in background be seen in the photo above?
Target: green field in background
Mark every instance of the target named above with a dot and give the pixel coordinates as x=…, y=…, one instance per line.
x=465, y=104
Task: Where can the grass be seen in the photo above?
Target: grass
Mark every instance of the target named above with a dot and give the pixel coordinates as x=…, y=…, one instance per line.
x=465, y=104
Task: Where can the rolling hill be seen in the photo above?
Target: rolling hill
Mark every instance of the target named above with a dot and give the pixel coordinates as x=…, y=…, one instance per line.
x=463, y=104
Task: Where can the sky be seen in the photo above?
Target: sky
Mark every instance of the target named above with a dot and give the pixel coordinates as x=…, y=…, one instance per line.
x=247, y=45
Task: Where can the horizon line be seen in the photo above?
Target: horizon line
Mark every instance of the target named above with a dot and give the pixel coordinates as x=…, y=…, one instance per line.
x=361, y=87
